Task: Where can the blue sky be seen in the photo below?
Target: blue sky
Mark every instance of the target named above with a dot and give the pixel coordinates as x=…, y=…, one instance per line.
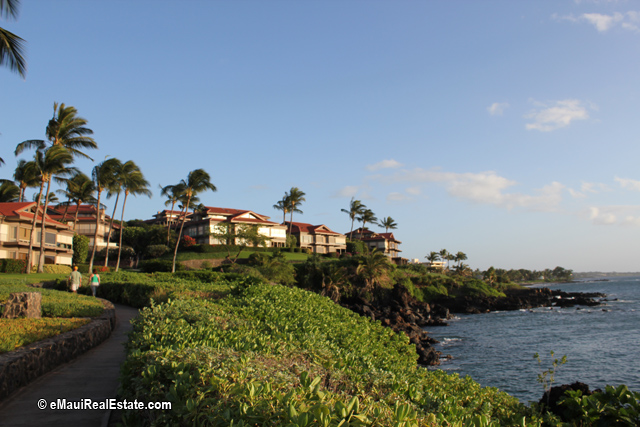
x=506, y=130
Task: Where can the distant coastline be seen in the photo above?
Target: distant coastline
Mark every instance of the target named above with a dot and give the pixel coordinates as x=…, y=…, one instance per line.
x=598, y=274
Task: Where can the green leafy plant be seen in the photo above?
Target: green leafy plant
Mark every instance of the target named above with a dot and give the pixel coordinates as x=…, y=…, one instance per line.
x=547, y=377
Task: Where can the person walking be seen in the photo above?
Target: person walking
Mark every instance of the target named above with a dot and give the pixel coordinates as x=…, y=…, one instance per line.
x=94, y=281
x=75, y=279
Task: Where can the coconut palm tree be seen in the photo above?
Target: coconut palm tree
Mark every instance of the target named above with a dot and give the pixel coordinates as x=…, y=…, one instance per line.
x=366, y=216
x=444, y=256
x=388, y=223
x=26, y=176
x=51, y=164
x=132, y=181
x=80, y=189
x=173, y=193
x=294, y=198
x=9, y=192
x=432, y=257
x=459, y=257
x=102, y=175
x=114, y=187
x=355, y=208
x=197, y=181
x=282, y=205
x=11, y=46
x=65, y=129
x=372, y=267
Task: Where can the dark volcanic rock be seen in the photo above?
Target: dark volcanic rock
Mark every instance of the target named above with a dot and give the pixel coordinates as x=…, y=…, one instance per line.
x=551, y=398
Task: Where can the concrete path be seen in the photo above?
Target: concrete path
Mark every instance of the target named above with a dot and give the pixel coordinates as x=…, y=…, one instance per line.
x=93, y=375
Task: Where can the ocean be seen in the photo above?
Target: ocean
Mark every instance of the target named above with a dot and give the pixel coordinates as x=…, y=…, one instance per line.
x=602, y=343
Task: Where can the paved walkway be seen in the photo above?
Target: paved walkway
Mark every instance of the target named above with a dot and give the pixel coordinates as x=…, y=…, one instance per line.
x=93, y=375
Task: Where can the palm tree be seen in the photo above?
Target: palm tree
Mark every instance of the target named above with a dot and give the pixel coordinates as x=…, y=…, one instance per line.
x=294, y=198
x=50, y=163
x=80, y=189
x=388, y=223
x=459, y=257
x=113, y=187
x=132, y=182
x=444, y=256
x=282, y=205
x=366, y=216
x=9, y=192
x=26, y=176
x=11, y=46
x=355, y=208
x=433, y=256
x=102, y=175
x=65, y=129
x=173, y=193
x=332, y=279
x=197, y=181
x=372, y=267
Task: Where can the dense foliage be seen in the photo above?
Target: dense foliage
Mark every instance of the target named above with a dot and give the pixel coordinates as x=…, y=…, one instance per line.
x=19, y=332
x=270, y=355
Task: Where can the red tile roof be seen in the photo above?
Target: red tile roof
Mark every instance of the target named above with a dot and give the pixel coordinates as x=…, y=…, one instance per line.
x=298, y=227
x=17, y=209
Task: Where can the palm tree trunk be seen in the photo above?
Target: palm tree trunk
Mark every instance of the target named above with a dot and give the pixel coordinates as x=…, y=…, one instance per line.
x=175, y=251
x=33, y=229
x=124, y=202
x=169, y=221
x=95, y=234
x=293, y=207
x=106, y=257
x=66, y=211
x=42, y=232
x=75, y=219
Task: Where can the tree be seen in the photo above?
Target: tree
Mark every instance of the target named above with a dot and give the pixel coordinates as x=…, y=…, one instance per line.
x=11, y=46
x=65, y=129
x=102, y=175
x=490, y=276
x=9, y=192
x=173, y=193
x=132, y=181
x=444, y=256
x=294, y=198
x=355, y=208
x=388, y=223
x=49, y=163
x=459, y=257
x=197, y=181
x=238, y=237
x=372, y=267
x=80, y=248
x=283, y=206
x=26, y=176
x=333, y=277
x=80, y=189
x=366, y=216
x=113, y=187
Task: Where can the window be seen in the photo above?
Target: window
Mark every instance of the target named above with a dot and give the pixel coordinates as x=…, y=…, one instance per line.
x=50, y=239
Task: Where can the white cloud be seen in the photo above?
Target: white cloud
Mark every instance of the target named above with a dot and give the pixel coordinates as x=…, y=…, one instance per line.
x=385, y=164
x=624, y=215
x=487, y=188
x=630, y=184
x=603, y=22
x=556, y=115
x=587, y=188
x=497, y=108
x=348, y=191
x=414, y=191
x=396, y=197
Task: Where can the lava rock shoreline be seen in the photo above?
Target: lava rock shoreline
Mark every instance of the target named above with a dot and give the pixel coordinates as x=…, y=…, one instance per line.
x=403, y=313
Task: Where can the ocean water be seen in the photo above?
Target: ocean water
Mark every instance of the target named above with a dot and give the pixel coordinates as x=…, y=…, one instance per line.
x=602, y=343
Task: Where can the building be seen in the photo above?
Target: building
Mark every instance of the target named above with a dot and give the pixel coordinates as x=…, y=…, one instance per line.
x=86, y=222
x=318, y=238
x=15, y=233
x=166, y=218
x=202, y=223
x=384, y=242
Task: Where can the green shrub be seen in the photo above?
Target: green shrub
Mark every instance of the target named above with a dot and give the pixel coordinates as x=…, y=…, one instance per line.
x=80, y=248
x=615, y=406
x=13, y=266
x=156, y=251
x=158, y=265
x=356, y=247
x=57, y=269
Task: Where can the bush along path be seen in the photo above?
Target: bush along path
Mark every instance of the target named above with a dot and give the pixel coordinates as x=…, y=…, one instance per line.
x=92, y=375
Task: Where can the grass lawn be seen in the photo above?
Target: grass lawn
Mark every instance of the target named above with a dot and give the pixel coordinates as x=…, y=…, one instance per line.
x=30, y=278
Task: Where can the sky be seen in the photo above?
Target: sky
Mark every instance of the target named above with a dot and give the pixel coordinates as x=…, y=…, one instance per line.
x=507, y=130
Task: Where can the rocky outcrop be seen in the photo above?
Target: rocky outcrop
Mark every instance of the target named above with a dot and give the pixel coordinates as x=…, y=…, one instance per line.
x=19, y=367
x=519, y=299
x=23, y=304
x=551, y=398
x=405, y=314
